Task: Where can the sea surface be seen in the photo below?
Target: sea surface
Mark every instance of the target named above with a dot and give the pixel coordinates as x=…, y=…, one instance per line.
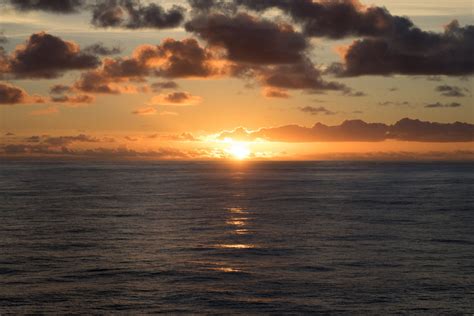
x=271, y=238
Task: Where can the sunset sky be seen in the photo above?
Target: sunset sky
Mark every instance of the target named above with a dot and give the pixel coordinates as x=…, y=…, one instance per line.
x=241, y=79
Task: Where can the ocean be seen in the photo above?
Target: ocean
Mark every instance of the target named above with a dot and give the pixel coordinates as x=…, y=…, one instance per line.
x=272, y=238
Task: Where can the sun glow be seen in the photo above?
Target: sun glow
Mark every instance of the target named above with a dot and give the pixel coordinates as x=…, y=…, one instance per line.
x=239, y=151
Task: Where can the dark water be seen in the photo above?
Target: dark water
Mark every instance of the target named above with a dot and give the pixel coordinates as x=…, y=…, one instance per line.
x=251, y=238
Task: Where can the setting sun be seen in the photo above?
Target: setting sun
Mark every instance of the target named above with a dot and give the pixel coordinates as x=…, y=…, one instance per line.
x=239, y=151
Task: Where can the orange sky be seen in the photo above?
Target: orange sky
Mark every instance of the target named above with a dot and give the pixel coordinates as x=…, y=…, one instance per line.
x=167, y=89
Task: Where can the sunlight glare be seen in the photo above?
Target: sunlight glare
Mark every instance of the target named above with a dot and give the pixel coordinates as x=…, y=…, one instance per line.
x=239, y=151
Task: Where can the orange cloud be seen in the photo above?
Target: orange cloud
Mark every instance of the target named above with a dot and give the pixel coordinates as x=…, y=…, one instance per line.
x=176, y=98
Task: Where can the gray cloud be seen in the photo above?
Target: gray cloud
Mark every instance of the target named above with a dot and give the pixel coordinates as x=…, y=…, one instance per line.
x=451, y=91
x=443, y=105
x=316, y=110
x=133, y=15
x=360, y=131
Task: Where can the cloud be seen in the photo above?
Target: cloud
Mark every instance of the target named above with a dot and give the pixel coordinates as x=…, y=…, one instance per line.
x=132, y=15
x=443, y=105
x=162, y=85
x=47, y=56
x=412, y=51
x=11, y=95
x=395, y=103
x=59, y=141
x=188, y=137
x=333, y=19
x=351, y=93
x=250, y=40
x=303, y=75
x=450, y=91
x=145, y=111
x=54, y=6
x=316, y=110
x=176, y=98
x=100, y=49
x=60, y=89
x=73, y=99
x=275, y=93
x=171, y=59
x=360, y=131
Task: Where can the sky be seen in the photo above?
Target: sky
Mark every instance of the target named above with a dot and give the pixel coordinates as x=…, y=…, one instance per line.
x=237, y=79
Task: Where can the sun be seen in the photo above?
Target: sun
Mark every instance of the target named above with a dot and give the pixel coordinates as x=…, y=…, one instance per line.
x=239, y=151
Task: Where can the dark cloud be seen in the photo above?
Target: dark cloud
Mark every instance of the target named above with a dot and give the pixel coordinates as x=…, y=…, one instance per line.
x=101, y=49
x=60, y=89
x=416, y=130
x=12, y=95
x=360, y=131
x=132, y=15
x=250, y=40
x=171, y=59
x=351, y=93
x=303, y=75
x=443, y=105
x=451, y=91
x=176, y=98
x=412, y=51
x=47, y=56
x=73, y=99
x=333, y=19
x=158, y=86
x=316, y=110
x=395, y=103
x=55, y=6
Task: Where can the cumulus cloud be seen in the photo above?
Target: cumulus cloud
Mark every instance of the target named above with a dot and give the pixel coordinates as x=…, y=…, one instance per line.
x=133, y=15
x=10, y=95
x=332, y=19
x=101, y=49
x=250, y=40
x=171, y=59
x=54, y=6
x=162, y=85
x=316, y=110
x=176, y=98
x=47, y=56
x=303, y=75
x=411, y=51
x=395, y=103
x=73, y=99
x=360, y=131
x=443, y=105
x=60, y=89
x=451, y=91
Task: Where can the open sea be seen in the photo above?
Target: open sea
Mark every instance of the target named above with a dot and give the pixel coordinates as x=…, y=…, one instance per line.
x=272, y=238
